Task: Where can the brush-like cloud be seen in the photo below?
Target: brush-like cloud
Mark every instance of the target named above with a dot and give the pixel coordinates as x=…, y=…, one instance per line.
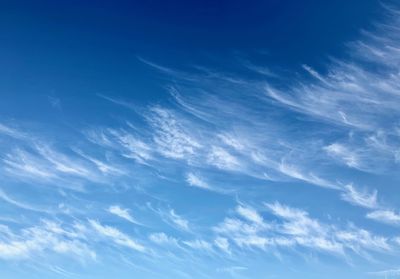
x=63, y=163
x=222, y=122
x=162, y=238
x=363, y=199
x=171, y=138
x=294, y=172
x=326, y=237
x=104, y=167
x=341, y=152
x=295, y=228
x=223, y=244
x=122, y=213
x=132, y=147
x=232, y=141
x=11, y=132
x=44, y=238
x=358, y=240
x=196, y=181
x=198, y=244
x=385, y=216
x=116, y=236
x=222, y=159
x=46, y=164
x=298, y=221
x=234, y=226
x=19, y=204
x=178, y=220
x=21, y=163
x=250, y=214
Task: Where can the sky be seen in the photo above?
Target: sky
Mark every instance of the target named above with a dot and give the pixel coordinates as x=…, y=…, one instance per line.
x=200, y=139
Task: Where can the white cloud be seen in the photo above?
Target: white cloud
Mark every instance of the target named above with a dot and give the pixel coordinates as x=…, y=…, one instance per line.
x=386, y=273
x=63, y=163
x=170, y=136
x=19, y=204
x=294, y=227
x=99, y=137
x=364, y=199
x=358, y=239
x=314, y=73
x=132, y=147
x=298, y=222
x=44, y=163
x=251, y=240
x=352, y=104
x=21, y=163
x=104, y=167
x=178, y=220
x=116, y=236
x=326, y=237
x=385, y=216
x=199, y=244
x=45, y=238
x=294, y=172
x=223, y=244
x=233, y=226
x=250, y=214
x=341, y=152
x=196, y=181
x=122, y=212
x=6, y=130
x=222, y=159
x=162, y=238
x=232, y=141
x=232, y=270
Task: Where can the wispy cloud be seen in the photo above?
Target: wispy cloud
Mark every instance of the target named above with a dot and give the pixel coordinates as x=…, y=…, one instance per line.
x=122, y=213
x=385, y=216
x=232, y=270
x=297, y=229
x=196, y=181
x=12, y=132
x=355, y=197
x=22, y=205
x=222, y=159
x=178, y=220
x=321, y=128
x=46, y=237
x=341, y=152
x=54, y=102
x=223, y=244
x=250, y=214
x=170, y=136
x=294, y=172
x=162, y=239
x=116, y=236
x=133, y=147
x=198, y=244
x=46, y=164
x=386, y=273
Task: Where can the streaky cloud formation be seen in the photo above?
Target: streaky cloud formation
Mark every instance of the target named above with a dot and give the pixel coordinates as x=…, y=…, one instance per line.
x=353, y=196
x=116, y=236
x=122, y=212
x=385, y=216
x=233, y=171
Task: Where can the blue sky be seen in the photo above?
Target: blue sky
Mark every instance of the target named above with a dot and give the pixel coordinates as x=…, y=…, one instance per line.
x=179, y=139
